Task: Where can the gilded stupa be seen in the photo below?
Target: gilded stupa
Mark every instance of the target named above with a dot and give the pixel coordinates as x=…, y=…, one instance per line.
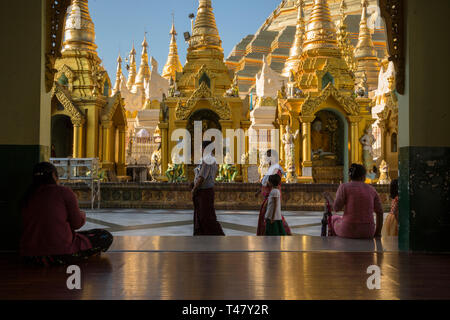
x=293, y=61
x=277, y=35
x=331, y=119
x=173, y=64
x=365, y=54
x=87, y=120
x=203, y=91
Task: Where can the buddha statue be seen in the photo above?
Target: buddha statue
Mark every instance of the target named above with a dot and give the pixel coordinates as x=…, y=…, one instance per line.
x=320, y=142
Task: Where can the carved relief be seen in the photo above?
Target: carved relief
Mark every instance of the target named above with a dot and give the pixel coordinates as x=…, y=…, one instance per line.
x=203, y=93
x=393, y=13
x=311, y=104
x=75, y=114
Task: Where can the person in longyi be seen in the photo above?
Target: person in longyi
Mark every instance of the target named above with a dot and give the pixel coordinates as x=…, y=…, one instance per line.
x=205, y=219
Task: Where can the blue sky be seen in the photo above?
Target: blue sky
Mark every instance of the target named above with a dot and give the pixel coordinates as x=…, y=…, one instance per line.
x=120, y=22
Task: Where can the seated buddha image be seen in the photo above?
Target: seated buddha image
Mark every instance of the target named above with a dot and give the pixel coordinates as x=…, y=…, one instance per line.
x=321, y=142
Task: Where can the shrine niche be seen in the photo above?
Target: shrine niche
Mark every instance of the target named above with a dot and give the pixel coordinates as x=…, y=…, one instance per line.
x=328, y=147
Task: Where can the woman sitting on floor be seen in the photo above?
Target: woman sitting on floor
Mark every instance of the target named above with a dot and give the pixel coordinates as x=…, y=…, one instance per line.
x=359, y=201
x=51, y=215
x=390, y=228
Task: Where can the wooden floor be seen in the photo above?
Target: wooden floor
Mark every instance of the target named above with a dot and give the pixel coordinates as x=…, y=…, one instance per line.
x=233, y=275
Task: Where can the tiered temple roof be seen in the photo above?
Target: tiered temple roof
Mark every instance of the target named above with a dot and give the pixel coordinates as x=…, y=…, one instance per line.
x=280, y=26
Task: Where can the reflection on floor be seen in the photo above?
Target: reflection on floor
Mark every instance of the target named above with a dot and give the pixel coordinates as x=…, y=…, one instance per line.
x=179, y=222
x=233, y=276
x=171, y=231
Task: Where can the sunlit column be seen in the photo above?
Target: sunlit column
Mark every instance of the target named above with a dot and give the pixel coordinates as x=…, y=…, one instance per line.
x=306, y=142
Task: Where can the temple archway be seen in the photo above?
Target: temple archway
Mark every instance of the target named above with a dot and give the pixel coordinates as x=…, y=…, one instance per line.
x=62, y=136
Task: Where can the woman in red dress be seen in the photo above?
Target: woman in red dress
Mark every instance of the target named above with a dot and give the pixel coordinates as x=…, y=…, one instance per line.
x=274, y=168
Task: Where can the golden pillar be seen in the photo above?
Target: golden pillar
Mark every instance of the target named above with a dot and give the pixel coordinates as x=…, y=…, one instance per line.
x=108, y=144
x=306, y=143
x=281, y=151
x=354, y=140
x=165, y=152
x=297, y=143
x=121, y=170
x=78, y=139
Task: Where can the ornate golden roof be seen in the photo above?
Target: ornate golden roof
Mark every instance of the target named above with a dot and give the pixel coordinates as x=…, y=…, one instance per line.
x=320, y=30
x=205, y=59
x=297, y=49
x=205, y=33
x=173, y=64
x=79, y=28
x=343, y=38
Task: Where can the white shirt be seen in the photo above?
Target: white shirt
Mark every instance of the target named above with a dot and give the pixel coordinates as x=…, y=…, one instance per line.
x=274, y=196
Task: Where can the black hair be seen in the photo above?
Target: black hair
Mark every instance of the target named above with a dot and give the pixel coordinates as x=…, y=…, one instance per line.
x=42, y=175
x=357, y=172
x=271, y=153
x=205, y=144
x=393, y=190
x=275, y=180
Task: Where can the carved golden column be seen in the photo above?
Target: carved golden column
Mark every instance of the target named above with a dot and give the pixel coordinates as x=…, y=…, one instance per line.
x=121, y=170
x=306, y=142
x=108, y=144
x=165, y=152
x=354, y=139
x=78, y=138
x=282, y=132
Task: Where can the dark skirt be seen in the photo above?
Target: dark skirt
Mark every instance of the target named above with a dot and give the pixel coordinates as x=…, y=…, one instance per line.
x=261, y=231
x=275, y=229
x=205, y=219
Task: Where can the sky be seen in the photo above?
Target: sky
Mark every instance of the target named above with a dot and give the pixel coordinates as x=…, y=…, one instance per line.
x=120, y=22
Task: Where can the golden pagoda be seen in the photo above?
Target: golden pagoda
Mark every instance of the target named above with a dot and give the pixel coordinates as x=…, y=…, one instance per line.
x=343, y=38
x=132, y=69
x=365, y=53
x=202, y=91
x=144, y=68
x=296, y=51
x=87, y=120
x=173, y=64
x=330, y=118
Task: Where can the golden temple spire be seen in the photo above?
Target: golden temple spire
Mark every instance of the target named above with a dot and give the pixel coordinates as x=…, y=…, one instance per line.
x=79, y=33
x=320, y=30
x=205, y=33
x=365, y=47
x=343, y=38
x=118, y=83
x=293, y=61
x=365, y=52
x=132, y=69
x=173, y=64
x=144, y=68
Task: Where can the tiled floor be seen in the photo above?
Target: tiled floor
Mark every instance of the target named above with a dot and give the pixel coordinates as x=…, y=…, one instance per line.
x=179, y=222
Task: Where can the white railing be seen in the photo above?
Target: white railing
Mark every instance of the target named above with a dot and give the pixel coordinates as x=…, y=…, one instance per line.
x=80, y=170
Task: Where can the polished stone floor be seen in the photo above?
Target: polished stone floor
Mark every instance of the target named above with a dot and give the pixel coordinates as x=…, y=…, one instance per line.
x=171, y=231
x=123, y=222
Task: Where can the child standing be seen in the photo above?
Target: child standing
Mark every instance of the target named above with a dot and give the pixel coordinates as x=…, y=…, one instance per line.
x=390, y=228
x=274, y=219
